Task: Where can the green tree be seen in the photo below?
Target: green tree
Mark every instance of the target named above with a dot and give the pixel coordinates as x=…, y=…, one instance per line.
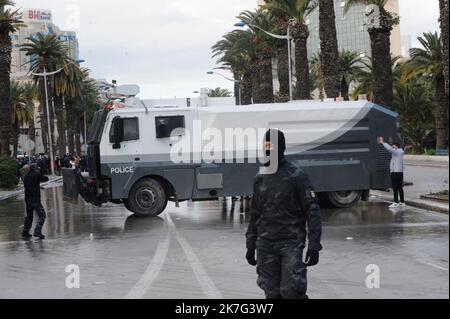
x=428, y=62
x=380, y=42
x=219, y=92
x=350, y=65
x=31, y=94
x=21, y=112
x=233, y=54
x=329, y=48
x=8, y=24
x=365, y=78
x=297, y=10
x=46, y=52
x=261, y=54
x=85, y=103
x=413, y=100
x=66, y=84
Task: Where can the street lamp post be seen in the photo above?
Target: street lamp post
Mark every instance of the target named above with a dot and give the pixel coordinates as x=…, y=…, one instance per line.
x=281, y=37
x=239, y=82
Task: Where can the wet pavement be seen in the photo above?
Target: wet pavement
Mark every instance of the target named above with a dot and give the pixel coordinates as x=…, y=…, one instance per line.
x=197, y=251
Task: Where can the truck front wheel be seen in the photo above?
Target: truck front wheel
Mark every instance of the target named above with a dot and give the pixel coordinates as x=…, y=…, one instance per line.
x=344, y=199
x=147, y=198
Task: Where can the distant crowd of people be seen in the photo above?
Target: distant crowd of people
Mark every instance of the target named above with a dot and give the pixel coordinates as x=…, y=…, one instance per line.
x=43, y=161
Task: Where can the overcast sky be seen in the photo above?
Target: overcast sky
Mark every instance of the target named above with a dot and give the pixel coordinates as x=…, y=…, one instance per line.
x=164, y=46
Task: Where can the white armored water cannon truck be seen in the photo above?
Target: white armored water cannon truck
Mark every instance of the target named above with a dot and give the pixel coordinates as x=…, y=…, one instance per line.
x=144, y=153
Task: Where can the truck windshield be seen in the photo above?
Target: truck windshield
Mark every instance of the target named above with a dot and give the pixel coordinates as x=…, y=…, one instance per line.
x=97, y=126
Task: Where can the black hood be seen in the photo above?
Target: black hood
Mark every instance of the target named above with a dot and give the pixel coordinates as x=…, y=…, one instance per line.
x=279, y=144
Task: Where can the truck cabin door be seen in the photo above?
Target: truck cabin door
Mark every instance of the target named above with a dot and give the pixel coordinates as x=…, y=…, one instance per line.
x=125, y=140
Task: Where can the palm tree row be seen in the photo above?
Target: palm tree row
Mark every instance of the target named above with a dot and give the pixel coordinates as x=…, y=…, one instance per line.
x=72, y=94
x=8, y=24
x=247, y=55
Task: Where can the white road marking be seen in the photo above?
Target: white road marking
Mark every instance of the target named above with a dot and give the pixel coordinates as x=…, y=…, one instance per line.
x=152, y=271
x=434, y=266
x=202, y=276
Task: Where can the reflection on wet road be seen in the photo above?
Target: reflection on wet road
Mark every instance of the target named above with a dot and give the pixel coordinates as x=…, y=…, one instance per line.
x=197, y=251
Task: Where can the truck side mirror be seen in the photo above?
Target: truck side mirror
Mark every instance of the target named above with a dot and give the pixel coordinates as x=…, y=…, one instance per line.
x=118, y=136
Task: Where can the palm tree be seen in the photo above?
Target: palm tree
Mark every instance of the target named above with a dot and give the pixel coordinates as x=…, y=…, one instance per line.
x=20, y=112
x=67, y=83
x=85, y=102
x=329, y=48
x=443, y=4
x=428, y=61
x=262, y=53
x=365, y=81
x=233, y=54
x=351, y=64
x=46, y=52
x=297, y=10
x=413, y=100
x=381, y=51
x=219, y=92
x=8, y=24
x=31, y=94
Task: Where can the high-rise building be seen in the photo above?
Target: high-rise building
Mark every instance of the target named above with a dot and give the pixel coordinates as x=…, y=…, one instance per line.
x=351, y=30
x=37, y=21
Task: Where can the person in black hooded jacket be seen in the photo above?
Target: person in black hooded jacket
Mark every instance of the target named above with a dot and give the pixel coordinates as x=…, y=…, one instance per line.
x=32, y=183
x=284, y=205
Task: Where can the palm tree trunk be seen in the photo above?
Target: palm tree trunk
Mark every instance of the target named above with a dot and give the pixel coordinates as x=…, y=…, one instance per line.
x=266, y=79
x=60, y=125
x=15, y=138
x=302, y=70
x=247, y=88
x=300, y=34
x=344, y=89
x=441, y=114
x=329, y=48
x=255, y=74
x=32, y=131
x=236, y=87
x=5, y=103
x=78, y=133
x=43, y=117
x=70, y=130
x=380, y=41
x=283, y=70
x=444, y=8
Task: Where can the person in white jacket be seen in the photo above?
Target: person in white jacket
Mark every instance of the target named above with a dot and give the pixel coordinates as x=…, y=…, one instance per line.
x=397, y=172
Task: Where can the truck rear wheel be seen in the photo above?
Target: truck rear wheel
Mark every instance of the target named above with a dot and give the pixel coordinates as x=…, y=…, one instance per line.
x=344, y=199
x=147, y=198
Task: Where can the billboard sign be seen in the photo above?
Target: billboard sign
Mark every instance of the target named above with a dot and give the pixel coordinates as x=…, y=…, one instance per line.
x=37, y=15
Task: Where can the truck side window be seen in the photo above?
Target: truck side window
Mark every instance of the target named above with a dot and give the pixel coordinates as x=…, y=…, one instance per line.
x=165, y=125
x=130, y=130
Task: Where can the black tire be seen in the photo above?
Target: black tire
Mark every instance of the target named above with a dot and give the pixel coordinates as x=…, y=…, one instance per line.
x=147, y=198
x=344, y=199
x=126, y=204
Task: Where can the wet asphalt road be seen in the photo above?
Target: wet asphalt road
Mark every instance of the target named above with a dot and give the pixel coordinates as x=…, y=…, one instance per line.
x=197, y=251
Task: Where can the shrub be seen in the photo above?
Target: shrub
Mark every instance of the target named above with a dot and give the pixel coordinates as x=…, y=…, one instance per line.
x=8, y=173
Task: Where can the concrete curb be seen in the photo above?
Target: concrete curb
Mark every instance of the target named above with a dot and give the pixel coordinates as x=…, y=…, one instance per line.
x=425, y=160
x=20, y=191
x=418, y=203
